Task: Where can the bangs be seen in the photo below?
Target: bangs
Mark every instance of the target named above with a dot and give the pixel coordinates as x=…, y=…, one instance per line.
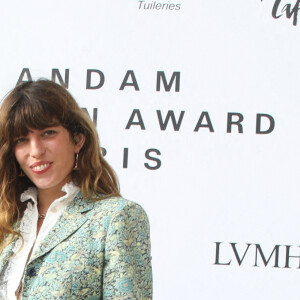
x=31, y=114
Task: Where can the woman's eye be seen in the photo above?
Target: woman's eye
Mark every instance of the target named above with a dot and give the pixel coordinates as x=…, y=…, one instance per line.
x=49, y=132
x=19, y=140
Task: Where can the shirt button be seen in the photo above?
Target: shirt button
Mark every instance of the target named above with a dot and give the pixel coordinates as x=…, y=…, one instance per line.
x=53, y=209
x=31, y=272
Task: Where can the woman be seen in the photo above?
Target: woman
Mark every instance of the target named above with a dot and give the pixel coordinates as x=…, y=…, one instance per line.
x=65, y=232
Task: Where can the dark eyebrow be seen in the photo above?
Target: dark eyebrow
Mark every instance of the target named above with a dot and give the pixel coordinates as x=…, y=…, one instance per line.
x=29, y=130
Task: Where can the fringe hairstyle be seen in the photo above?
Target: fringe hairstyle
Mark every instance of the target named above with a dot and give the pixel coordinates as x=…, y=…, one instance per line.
x=37, y=105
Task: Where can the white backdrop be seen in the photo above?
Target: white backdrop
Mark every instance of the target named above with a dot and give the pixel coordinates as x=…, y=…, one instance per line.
x=209, y=186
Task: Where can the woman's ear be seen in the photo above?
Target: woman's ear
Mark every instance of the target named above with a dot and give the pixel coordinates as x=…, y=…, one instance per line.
x=79, y=139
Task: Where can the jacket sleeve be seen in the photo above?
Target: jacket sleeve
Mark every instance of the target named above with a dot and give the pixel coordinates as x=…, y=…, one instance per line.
x=127, y=270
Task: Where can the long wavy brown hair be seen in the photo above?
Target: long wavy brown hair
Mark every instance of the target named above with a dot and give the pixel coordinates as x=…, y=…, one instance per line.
x=38, y=105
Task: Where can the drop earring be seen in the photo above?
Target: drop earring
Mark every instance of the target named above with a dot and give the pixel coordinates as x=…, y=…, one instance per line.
x=76, y=162
x=21, y=174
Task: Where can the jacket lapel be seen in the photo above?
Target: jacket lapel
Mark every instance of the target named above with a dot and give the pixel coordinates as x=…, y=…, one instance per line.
x=5, y=255
x=69, y=222
x=8, y=251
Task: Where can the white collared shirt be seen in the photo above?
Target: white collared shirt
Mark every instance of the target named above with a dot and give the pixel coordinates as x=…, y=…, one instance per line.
x=14, y=271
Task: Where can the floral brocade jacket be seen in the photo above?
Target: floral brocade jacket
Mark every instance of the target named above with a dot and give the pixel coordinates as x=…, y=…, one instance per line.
x=96, y=250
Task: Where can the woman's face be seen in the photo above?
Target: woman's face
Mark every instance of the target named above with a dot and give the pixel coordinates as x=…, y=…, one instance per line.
x=47, y=156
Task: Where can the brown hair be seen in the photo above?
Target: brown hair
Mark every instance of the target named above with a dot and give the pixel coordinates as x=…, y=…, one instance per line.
x=37, y=105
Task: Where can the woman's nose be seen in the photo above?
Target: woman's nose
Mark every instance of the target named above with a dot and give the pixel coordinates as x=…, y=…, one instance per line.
x=37, y=148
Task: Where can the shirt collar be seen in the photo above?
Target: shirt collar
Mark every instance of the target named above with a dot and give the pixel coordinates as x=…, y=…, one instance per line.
x=32, y=193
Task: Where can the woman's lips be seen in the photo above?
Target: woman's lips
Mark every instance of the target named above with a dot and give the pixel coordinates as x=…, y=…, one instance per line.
x=40, y=167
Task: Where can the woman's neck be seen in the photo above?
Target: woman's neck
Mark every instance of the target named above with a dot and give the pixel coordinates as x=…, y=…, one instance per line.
x=47, y=197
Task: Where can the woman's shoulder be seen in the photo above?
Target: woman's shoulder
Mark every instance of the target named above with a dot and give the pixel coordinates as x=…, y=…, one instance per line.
x=118, y=205
x=117, y=212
